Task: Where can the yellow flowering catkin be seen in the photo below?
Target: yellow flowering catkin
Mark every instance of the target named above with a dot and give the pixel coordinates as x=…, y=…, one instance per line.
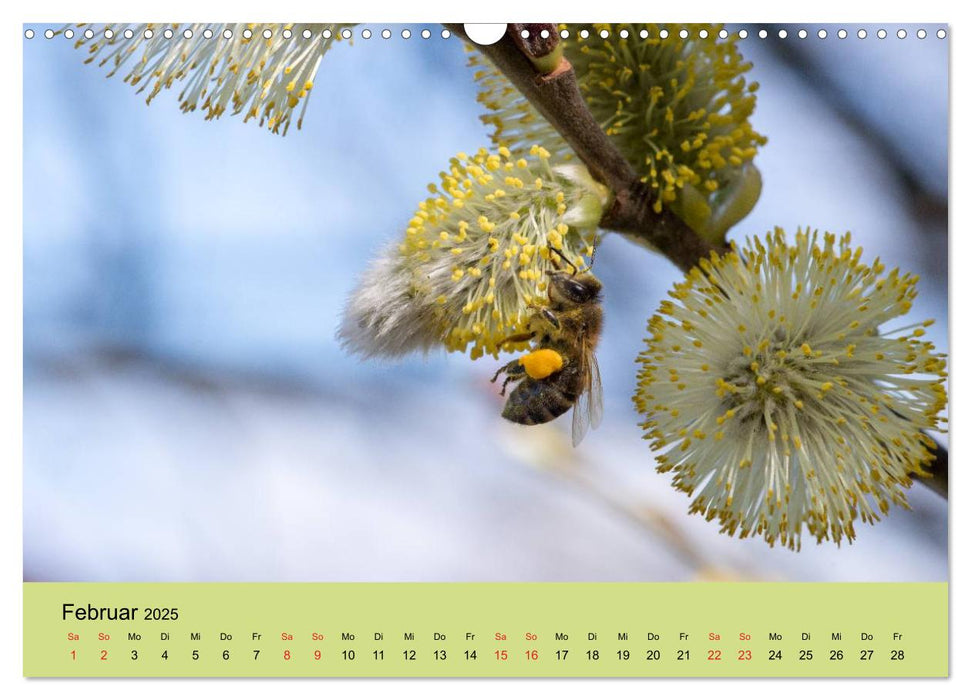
x=236, y=68
x=776, y=399
x=677, y=108
x=476, y=255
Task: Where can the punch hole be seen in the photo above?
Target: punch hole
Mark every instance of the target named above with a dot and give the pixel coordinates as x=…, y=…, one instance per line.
x=604, y=33
x=405, y=33
x=366, y=33
x=29, y=34
x=484, y=34
x=168, y=33
x=743, y=34
x=425, y=34
x=446, y=34
x=69, y=34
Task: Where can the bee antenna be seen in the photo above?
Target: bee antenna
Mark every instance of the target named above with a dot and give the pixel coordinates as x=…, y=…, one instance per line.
x=562, y=257
x=596, y=247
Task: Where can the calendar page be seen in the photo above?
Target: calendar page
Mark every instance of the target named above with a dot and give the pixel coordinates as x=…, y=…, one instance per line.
x=463, y=350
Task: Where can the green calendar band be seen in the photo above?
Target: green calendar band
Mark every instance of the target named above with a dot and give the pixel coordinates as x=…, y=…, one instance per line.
x=485, y=629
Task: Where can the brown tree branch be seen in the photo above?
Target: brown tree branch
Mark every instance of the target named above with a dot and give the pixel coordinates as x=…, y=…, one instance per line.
x=556, y=95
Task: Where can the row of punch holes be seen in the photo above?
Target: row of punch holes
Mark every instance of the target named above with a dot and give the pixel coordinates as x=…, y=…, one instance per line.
x=583, y=34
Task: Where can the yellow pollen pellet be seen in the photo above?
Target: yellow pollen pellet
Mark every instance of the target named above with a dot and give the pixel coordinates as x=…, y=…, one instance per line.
x=542, y=363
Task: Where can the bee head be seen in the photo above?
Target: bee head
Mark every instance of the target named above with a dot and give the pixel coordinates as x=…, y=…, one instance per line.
x=577, y=288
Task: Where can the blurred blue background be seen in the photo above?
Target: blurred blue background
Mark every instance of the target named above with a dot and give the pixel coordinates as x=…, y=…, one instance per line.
x=188, y=414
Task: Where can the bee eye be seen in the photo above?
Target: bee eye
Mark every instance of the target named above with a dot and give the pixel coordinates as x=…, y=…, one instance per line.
x=576, y=291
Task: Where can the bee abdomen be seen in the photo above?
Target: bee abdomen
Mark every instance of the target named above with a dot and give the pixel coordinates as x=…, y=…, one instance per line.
x=535, y=402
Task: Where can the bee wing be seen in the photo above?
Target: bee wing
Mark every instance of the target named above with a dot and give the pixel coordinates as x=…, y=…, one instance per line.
x=589, y=408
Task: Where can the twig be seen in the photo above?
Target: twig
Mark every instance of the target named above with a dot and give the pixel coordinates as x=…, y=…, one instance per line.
x=937, y=481
x=557, y=97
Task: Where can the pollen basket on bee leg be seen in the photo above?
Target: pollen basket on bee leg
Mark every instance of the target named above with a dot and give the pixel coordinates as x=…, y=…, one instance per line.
x=542, y=363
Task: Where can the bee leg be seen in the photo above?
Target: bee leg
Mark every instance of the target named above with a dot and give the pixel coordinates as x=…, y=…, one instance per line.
x=508, y=379
x=518, y=338
x=514, y=371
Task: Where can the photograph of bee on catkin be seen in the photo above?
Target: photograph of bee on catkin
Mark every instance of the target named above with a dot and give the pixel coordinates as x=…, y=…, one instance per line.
x=593, y=302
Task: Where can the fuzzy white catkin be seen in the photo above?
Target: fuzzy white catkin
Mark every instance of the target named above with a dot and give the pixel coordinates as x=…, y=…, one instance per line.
x=383, y=317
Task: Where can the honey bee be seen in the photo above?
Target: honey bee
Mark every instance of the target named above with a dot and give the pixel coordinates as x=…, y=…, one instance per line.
x=561, y=371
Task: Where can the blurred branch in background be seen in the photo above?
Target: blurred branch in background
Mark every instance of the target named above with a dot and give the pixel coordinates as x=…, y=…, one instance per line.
x=927, y=203
x=548, y=449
